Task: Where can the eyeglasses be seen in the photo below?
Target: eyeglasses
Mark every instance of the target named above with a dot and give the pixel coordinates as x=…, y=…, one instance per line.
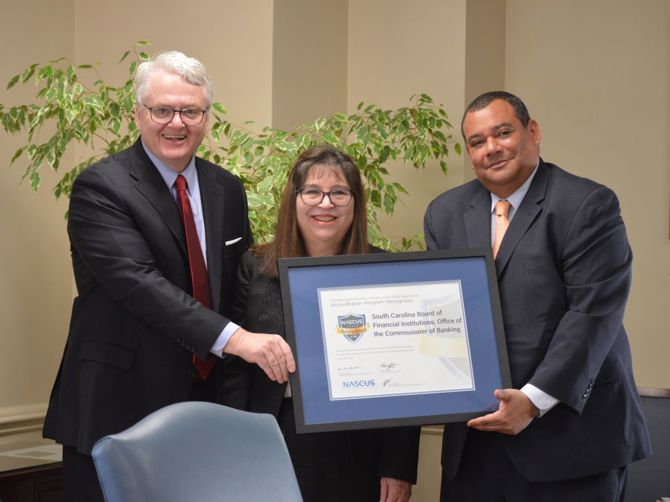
x=313, y=196
x=164, y=115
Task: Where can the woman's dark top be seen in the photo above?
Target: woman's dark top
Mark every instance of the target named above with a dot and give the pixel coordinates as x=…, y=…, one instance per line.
x=342, y=466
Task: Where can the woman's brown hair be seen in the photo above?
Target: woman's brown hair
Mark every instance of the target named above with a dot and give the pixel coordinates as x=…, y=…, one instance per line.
x=288, y=243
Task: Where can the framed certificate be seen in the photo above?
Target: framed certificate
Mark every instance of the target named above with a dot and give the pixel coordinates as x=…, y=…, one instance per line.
x=390, y=339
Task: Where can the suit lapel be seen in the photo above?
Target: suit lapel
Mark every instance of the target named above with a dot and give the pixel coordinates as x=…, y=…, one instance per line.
x=478, y=220
x=525, y=215
x=211, y=193
x=152, y=186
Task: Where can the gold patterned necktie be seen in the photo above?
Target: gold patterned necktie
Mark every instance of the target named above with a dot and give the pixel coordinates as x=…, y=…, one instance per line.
x=502, y=222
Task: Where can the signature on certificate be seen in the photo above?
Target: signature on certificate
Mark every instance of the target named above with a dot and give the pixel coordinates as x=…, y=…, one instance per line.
x=346, y=370
x=387, y=367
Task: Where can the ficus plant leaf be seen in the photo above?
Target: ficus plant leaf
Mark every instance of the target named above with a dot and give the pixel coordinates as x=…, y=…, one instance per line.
x=99, y=117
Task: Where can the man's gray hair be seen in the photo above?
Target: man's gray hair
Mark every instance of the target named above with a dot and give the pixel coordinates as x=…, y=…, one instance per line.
x=178, y=63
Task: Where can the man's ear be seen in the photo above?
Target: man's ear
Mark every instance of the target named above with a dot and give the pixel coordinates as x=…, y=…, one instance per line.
x=534, y=129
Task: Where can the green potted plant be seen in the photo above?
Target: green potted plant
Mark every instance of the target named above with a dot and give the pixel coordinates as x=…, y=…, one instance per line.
x=99, y=116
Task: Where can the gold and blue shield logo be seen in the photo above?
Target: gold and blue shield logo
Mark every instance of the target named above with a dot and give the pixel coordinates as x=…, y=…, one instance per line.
x=352, y=326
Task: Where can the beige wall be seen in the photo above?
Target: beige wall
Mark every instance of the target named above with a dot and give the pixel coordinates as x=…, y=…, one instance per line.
x=595, y=74
x=484, y=54
x=310, y=61
x=233, y=39
x=399, y=48
x=35, y=284
x=36, y=288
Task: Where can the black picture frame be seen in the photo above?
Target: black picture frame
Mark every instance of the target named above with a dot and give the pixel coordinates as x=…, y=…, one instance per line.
x=315, y=287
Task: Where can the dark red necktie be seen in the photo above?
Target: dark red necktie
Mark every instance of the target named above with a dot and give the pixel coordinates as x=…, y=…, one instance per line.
x=197, y=265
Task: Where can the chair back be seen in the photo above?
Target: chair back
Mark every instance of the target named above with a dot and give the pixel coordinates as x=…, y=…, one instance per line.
x=197, y=451
x=649, y=479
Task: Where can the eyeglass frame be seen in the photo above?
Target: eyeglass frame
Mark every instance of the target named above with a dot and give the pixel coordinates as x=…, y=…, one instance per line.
x=175, y=111
x=323, y=196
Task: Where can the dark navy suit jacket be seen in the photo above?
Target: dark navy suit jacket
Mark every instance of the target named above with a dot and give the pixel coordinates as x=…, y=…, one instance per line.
x=564, y=271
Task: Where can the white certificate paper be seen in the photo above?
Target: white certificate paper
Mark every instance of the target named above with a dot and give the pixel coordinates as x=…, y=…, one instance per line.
x=395, y=339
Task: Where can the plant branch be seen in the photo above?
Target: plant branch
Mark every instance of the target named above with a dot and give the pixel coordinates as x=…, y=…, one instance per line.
x=81, y=114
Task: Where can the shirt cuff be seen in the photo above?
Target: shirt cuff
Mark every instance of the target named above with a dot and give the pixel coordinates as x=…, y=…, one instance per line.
x=222, y=340
x=542, y=401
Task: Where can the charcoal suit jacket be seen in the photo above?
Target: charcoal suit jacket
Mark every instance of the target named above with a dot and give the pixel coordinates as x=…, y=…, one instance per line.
x=564, y=272
x=134, y=323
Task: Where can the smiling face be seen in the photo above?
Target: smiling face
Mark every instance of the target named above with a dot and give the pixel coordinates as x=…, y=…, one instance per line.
x=503, y=152
x=173, y=143
x=323, y=227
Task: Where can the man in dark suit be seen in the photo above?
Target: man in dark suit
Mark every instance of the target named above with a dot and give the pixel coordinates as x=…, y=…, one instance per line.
x=572, y=421
x=135, y=325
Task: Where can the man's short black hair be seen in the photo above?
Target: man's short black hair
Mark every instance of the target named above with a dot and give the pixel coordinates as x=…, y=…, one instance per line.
x=483, y=100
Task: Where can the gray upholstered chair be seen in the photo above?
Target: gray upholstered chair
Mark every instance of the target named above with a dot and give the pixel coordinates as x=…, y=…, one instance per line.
x=649, y=479
x=197, y=451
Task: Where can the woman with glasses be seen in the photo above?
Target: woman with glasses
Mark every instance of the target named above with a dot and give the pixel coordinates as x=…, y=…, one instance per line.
x=322, y=213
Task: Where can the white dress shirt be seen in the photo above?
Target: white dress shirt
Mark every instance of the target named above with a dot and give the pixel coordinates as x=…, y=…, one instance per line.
x=193, y=189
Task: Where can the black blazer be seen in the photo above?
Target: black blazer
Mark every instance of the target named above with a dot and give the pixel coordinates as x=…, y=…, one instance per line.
x=564, y=275
x=258, y=307
x=134, y=325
